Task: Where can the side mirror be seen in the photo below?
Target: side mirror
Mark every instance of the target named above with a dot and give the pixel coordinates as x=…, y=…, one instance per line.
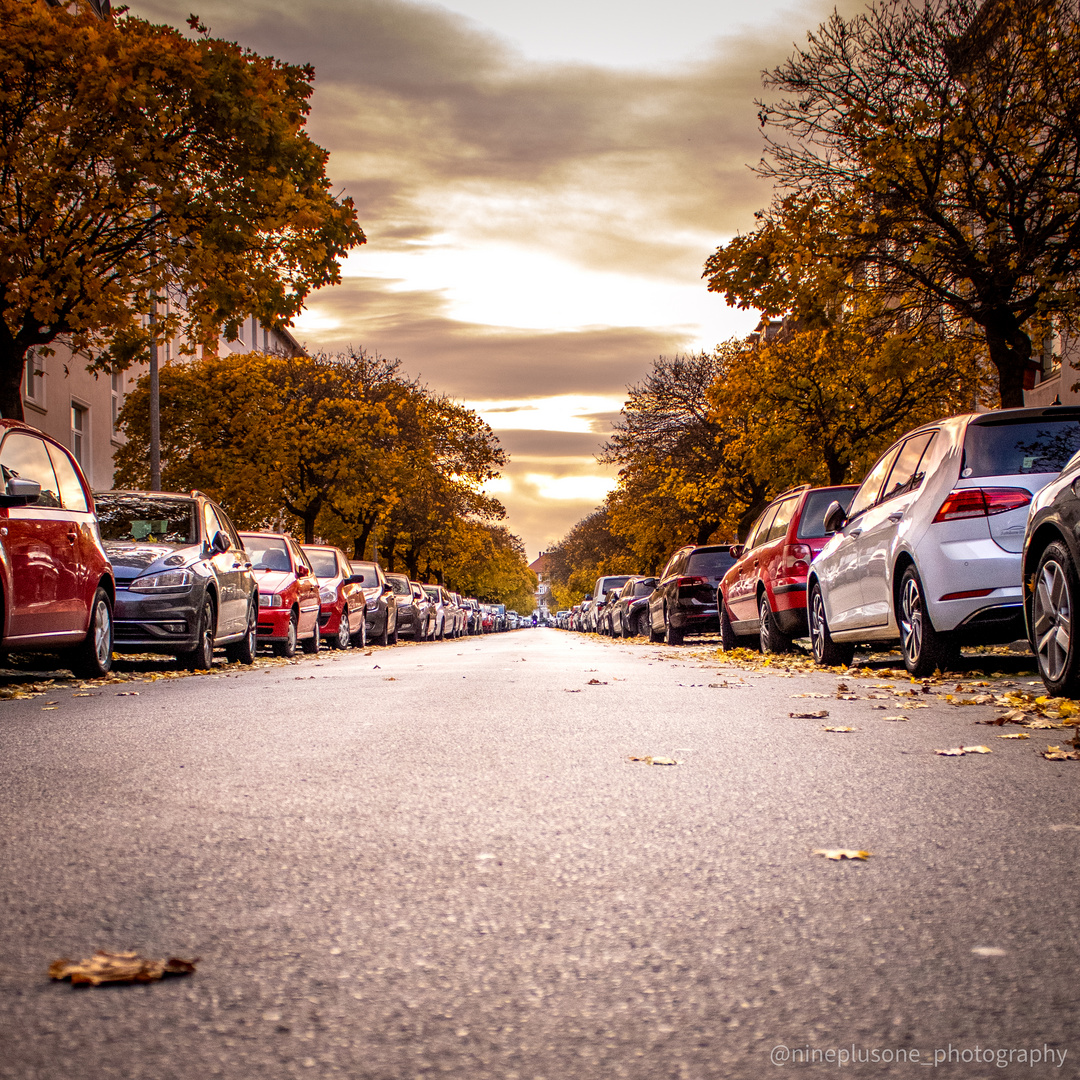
x=835, y=518
x=219, y=543
x=354, y=579
x=21, y=492
x=737, y=551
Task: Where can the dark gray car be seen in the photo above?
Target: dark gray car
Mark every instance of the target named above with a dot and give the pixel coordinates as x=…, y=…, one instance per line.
x=184, y=583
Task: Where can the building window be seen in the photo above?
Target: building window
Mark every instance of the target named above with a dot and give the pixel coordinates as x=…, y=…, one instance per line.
x=35, y=379
x=117, y=395
x=80, y=434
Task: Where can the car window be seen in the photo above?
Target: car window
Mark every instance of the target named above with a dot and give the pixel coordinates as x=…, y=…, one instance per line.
x=144, y=517
x=72, y=492
x=715, y=563
x=781, y=520
x=299, y=559
x=400, y=585
x=212, y=523
x=1017, y=448
x=323, y=561
x=761, y=527
x=812, y=519
x=228, y=526
x=644, y=588
x=870, y=488
x=908, y=472
x=267, y=552
x=25, y=456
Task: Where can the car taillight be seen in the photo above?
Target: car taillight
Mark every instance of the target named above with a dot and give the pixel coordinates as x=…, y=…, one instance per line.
x=796, y=559
x=680, y=582
x=981, y=502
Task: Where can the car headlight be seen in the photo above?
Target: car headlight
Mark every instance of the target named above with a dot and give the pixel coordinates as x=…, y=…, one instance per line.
x=169, y=579
x=271, y=600
x=327, y=595
x=373, y=605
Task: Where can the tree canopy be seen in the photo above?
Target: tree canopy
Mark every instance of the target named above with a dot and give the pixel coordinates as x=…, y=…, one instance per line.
x=132, y=156
x=927, y=155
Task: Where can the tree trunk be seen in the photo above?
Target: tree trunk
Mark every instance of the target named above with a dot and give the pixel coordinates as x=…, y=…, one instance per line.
x=12, y=369
x=1010, y=353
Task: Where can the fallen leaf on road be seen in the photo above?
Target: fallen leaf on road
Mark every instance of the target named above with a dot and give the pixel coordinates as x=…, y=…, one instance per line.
x=106, y=967
x=565, y=691
x=389, y=678
x=836, y=854
x=1016, y=735
x=595, y=682
x=819, y=715
x=127, y=693
x=883, y=708
x=656, y=760
x=825, y=727
x=898, y=719
x=959, y=751
x=810, y=695
x=1055, y=753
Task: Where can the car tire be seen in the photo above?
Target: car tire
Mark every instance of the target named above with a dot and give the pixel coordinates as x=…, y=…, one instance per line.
x=393, y=638
x=343, y=638
x=826, y=651
x=1053, y=621
x=728, y=638
x=243, y=652
x=311, y=644
x=93, y=658
x=673, y=635
x=359, y=638
x=287, y=648
x=925, y=649
x=771, y=638
x=201, y=658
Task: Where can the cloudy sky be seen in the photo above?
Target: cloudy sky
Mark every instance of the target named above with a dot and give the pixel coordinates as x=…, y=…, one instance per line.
x=540, y=185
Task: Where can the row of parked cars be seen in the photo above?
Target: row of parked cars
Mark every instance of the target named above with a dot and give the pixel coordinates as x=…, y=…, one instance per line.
x=966, y=531
x=85, y=573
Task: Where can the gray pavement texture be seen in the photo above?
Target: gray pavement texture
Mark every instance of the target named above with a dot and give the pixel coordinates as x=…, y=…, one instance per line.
x=437, y=860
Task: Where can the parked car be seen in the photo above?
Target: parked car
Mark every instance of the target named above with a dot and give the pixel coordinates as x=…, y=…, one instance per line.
x=472, y=615
x=184, y=583
x=684, y=600
x=381, y=603
x=445, y=612
x=630, y=611
x=487, y=619
x=410, y=620
x=603, y=586
x=930, y=552
x=341, y=597
x=1051, y=559
x=762, y=598
x=425, y=608
x=288, y=593
x=57, y=580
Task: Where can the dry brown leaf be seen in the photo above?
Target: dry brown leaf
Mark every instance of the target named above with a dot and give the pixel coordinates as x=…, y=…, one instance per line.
x=127, y=693
x=1015, y=735
x=980, y=749
x=836, y=854
x=819, y=715
x=595, y=682
x=954, y=752
x=825, y=727
x=565, y=691
x=898, y=719
x=656, y=760
x=109, y=967
x=1055, y=753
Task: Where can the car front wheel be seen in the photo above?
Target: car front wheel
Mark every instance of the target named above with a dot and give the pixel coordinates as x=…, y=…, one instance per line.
x=287, y=648
x=201, y=658
x=93, y=658
x=244, y=651
x=1053, y=617
x=826, y=651
x=311, y=644
x=344, y=633
x=673, y=635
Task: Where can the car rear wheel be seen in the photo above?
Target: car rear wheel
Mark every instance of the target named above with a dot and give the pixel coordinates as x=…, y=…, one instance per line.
x=728, y=638
x=201, y=658
x=93, y=658
x=244, y=651
x=287, y=648
x=393, y=636
x=1053, y=616
x=771, y=638
x=311, y=644
x=673, y=635
x=344, y=633
x=826, y=651
x=925, y=649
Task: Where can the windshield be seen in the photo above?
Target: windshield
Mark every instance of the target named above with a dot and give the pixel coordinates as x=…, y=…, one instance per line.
x=1018, y=448
x=322, y=562
x=267, y=552
x=371, y=575
x=400, y=585
x=142, y=517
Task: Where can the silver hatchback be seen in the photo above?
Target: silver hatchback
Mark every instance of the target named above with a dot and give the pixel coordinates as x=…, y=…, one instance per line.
x=929, y=553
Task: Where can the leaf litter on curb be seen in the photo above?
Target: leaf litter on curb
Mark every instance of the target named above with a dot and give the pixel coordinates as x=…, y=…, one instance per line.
x=836, y=854
x=114, y=967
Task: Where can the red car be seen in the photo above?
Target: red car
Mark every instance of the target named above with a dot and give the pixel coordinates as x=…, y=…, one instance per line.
x=288, y=592
x=341, y=597
x=57, y=580
x=763, y=595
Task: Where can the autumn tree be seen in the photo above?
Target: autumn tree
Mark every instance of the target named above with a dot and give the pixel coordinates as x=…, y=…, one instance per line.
x=587, y=551
x=487, y=561
x=132, y=156
x=928, y=155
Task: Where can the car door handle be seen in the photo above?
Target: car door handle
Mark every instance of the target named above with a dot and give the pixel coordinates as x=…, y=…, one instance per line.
x=854, y=533
x=896, y=515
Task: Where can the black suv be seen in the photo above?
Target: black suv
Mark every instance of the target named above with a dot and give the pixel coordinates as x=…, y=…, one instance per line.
x=684, y=600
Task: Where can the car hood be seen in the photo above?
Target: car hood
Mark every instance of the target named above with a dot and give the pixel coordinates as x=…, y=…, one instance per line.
x=273, y=580
x=131, y=558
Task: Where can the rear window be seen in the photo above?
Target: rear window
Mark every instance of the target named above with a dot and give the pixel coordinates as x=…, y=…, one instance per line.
x=1018, y=448
x=322, y=562
x=709, y=564
x=812, y=522
x=609, y=583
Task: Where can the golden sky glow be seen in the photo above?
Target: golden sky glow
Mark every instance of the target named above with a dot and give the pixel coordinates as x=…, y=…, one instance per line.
x=540, y=186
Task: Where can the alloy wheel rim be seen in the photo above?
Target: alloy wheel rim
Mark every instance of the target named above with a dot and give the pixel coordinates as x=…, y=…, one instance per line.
x=1053, y=619
x=343, y=630
x=817, y=625
x=911, y=620
x=763, y=621
x=102, y=644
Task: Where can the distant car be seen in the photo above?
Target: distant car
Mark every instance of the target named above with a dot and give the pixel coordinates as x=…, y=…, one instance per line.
x=684, y=600
x=600, y=592
x=381, y=603
x=930, y=552
x=288, y=593
x=342, y=601
x=630, y=611
x=184, y=583
x=762, y=598
x=445, y=613
x=57, y=581
x=410, y=620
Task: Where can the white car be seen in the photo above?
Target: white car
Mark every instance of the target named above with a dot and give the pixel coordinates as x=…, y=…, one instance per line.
x=929, y=553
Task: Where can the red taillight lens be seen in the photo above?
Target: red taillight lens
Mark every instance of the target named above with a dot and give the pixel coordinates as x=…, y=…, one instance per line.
x=981, y=502
x=796, y=559
x=680, y=582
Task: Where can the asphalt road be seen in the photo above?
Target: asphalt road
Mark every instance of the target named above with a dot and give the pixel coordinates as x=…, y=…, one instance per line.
x=437, y=861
